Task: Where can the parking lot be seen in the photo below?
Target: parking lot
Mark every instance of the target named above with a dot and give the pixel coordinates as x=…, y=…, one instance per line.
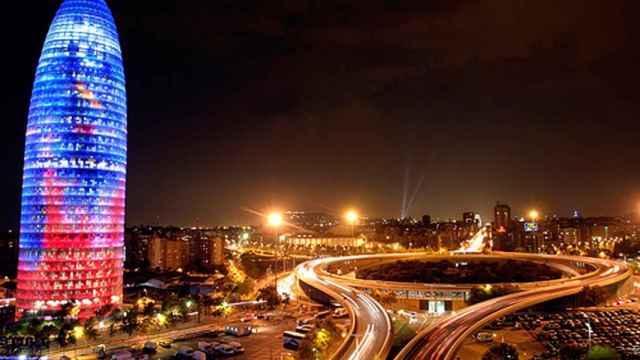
x=619, y=329
x=542, y=335
x=265, y=344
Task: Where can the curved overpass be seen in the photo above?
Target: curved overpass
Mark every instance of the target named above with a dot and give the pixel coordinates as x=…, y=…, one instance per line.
x=564, y=265
x=442, y=340
x=371, y=332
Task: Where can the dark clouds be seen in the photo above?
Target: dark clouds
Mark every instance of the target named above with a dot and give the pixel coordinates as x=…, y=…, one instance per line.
x=326, y=103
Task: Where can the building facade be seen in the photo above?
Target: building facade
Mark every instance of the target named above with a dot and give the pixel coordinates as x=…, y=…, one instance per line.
x=73, y=195
x=168, y=253
x=502, y=217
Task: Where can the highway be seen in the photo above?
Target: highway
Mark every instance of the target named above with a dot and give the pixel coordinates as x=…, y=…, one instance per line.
x=370, y=334
x=442, y=340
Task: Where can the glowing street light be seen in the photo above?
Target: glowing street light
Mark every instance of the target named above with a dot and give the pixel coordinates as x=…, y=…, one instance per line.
x=352, y=217
x=534, y=215
x=275, y=220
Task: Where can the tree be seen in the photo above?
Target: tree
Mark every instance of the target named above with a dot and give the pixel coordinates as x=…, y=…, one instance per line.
x=593, y=296
x=148, y=309
x=246, y=286
x=572, y=352
x=90, y=328
x=130, y=323
x=502, y=351
x=602, y=353
x=484, y=293
x=104, y=311
x=66, y=333
x=306, y=350
x=270, y=295
x=384, y=297
x=65, y=310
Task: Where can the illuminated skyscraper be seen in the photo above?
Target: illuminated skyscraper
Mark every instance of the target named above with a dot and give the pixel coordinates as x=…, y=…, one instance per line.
x=73, y=195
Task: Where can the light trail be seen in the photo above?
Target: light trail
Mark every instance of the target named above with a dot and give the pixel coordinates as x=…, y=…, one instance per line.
x=476, y=244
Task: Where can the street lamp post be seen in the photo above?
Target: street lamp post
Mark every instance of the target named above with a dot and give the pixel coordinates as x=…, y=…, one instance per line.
x=275, y=221
x=534, y=215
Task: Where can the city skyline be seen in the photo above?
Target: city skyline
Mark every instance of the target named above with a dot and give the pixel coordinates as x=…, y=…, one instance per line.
x=241, y=106
x=320, y=179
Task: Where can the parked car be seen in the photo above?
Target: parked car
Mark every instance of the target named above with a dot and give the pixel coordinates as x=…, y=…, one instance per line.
x=225, y=350
x=238, y=330
x=484, y=337
x=150, y=347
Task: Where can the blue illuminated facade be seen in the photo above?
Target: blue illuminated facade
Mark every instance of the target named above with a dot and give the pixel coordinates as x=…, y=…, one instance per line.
x=73, y=195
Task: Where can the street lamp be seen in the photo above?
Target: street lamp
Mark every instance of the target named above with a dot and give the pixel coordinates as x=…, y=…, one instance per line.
x=534, y=215
x=275, y=221
x=352, y=218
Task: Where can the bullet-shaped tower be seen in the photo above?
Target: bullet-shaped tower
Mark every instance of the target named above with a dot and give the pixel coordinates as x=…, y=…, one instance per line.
x=73, y=194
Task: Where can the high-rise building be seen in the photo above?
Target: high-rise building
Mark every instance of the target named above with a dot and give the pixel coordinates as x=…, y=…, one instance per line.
x=502, y=217
x=206, y=251
x=73, y=195
x=217, y=253
x=168, y=253
x=469, y=218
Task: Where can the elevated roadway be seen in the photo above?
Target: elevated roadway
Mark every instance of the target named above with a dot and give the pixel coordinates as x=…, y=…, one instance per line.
x=371, y=333
x=442, y=340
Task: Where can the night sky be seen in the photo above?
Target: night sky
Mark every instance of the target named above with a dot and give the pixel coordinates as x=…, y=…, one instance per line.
x=444, y=106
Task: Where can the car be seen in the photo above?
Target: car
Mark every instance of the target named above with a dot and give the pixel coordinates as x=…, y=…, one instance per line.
x=122, y=355
x=225, y=350
x=340, y=313
x=484, y=337
x=150, y=347
x=305, y=321
x=238, y=330
x=239, y=349
x=186, y=352
x=248, y=317
x=305, y=328
x=410, y=314
x=291, y=344
x=199, y=355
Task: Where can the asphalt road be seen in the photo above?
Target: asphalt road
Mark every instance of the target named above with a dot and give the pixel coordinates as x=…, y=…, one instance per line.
x=264, y=345
x=371, y=335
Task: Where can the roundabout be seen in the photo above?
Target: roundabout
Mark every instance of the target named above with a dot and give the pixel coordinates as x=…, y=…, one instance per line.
x=371, y=333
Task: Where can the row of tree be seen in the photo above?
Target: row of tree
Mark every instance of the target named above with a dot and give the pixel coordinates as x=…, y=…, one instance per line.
x=450, y=272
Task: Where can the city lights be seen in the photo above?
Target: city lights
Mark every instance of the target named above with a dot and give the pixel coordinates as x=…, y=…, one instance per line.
x=287, y=207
